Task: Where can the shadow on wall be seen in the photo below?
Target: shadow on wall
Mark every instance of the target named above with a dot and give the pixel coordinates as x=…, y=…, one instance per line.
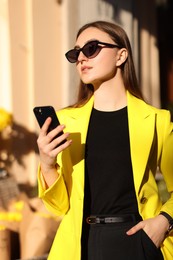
x=16, y=141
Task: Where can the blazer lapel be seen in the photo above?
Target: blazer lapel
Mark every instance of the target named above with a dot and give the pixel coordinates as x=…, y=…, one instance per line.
x=78, y=121
x=81, y=118
x=141, y=119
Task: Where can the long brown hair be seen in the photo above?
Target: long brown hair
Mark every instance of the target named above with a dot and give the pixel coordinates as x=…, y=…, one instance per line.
x=119, y=36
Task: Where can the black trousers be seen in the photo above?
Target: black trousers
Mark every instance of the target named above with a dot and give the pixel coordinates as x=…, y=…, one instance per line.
x=110, y=242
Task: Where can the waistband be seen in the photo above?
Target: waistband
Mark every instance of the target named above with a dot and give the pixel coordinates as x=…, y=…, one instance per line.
x=112, y=219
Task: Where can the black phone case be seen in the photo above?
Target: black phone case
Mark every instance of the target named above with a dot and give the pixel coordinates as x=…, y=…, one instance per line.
x=42, y=113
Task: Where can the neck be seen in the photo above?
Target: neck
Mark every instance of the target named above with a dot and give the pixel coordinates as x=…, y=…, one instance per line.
x=110, y=96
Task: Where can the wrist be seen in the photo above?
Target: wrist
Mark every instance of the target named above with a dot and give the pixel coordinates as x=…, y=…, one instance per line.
x=170, y=222
x=47, y=169
x=49, y=175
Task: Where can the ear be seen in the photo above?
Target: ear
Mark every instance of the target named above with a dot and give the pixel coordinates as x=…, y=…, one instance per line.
x=122, y=55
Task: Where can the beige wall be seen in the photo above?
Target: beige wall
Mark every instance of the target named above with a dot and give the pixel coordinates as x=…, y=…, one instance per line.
x=36, y=55
x=5, y=70
x=36, y=41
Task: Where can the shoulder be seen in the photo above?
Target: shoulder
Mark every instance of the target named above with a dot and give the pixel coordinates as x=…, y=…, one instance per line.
x=163, y=116
x=160, y=112
x=65, y=114
x=66, y=111
x=140, y=109
x=163, y=119
x=143, y=105
x=76, y=112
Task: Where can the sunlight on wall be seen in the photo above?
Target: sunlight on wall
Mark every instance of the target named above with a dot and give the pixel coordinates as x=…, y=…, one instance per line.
x=5, y=71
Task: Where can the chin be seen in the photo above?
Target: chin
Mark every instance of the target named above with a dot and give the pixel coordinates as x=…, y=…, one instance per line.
x=85, y=81
x=89, y=80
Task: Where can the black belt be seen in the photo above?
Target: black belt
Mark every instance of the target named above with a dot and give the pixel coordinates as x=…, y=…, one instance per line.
x=108, y=220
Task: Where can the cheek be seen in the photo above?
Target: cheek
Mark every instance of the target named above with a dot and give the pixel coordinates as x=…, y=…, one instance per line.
x=107, y=66
x=108, y=60
x=78, y=69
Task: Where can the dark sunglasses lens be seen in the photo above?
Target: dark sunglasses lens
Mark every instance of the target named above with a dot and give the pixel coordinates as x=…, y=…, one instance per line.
x=90, y=49
x=72, y=55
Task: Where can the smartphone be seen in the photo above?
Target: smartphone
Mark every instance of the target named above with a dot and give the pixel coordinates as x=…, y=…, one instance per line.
x=42, y=113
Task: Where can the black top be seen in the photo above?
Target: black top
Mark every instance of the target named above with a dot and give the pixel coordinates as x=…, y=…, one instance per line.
x=109, y=186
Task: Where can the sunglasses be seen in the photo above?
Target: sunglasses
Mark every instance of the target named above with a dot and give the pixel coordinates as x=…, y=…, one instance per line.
x=90, y=50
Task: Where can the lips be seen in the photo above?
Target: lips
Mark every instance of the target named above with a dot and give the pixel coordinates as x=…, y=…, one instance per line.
x=85, y=68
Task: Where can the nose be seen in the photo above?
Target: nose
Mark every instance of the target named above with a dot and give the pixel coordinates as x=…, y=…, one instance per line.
x=82, y=57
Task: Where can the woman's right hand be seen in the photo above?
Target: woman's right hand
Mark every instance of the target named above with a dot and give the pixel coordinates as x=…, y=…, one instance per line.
x=48, y=146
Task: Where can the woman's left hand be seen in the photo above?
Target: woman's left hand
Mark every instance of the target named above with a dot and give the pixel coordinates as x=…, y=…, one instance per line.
x=155, y=228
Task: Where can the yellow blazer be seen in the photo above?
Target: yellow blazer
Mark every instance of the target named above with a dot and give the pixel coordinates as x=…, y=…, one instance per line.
x=151, y=145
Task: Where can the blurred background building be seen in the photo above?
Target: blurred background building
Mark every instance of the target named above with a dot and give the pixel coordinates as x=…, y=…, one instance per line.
x=35, y=34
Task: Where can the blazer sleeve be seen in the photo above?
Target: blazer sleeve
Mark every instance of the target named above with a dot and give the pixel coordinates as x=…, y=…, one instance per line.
x=55, y=198
x=166, y=162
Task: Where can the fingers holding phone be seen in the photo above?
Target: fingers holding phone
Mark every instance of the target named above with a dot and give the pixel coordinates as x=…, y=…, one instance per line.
x=52, y=140
x=57, y=138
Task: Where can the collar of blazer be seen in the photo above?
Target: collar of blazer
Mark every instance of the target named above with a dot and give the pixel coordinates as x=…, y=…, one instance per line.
x=141, y=118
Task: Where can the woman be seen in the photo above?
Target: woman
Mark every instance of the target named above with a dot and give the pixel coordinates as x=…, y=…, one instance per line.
x=102, y=179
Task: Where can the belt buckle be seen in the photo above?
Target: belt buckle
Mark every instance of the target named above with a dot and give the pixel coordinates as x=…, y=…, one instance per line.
x=91, y=220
